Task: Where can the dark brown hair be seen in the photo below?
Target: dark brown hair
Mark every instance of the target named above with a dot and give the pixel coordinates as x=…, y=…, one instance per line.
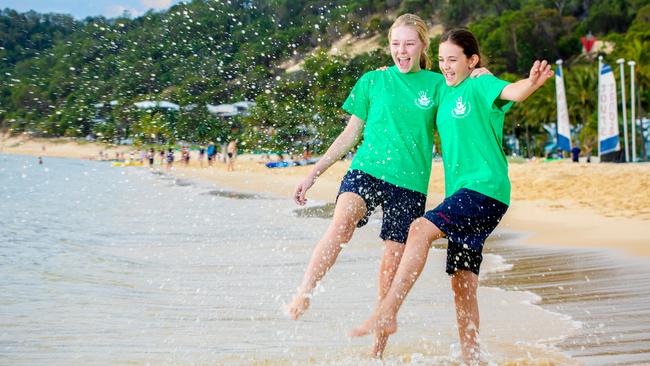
x=465, y=40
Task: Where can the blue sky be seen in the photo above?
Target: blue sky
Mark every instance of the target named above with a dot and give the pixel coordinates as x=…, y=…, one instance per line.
x=83, y=8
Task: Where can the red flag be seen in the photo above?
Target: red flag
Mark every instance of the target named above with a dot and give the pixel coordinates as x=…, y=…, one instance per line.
x=588, y=42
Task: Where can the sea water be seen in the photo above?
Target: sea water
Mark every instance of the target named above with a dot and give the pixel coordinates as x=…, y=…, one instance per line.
x=102, y=265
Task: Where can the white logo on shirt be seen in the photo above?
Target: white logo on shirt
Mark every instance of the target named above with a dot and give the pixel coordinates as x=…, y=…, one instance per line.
x=423, y=101
x=462, y=109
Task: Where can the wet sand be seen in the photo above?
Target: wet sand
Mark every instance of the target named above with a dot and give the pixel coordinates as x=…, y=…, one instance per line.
x=607, y=293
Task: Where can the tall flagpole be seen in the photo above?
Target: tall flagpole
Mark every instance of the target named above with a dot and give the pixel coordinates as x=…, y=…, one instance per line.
x=632, y=109
x=563, y=124
x=600, y=65
x=620, y=63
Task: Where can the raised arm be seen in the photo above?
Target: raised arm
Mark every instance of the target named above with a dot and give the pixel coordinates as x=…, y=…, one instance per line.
x=343, y=143
x=522, y=89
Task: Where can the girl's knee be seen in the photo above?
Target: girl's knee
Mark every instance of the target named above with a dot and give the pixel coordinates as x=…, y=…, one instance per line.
x=343, y=230
x=423, y=229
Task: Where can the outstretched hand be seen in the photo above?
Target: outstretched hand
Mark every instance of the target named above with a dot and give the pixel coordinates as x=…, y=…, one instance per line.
x=539, y=73
x=301, y=190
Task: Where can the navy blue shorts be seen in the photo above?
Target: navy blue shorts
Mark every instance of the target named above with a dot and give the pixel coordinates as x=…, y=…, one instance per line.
x=400, y=206
x=467, y=218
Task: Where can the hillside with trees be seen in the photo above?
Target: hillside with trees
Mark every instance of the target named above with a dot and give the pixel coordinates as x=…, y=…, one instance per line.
x=78, y=78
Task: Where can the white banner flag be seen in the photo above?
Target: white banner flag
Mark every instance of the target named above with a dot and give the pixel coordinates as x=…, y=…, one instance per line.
x=608, y=139
x=563, y=127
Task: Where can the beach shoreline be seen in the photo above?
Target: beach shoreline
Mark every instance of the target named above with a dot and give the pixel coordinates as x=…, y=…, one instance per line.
x=558, y=204
x=590, y=294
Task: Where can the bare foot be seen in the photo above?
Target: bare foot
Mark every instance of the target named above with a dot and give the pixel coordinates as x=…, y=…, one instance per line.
x=380, y=324
x=365, y=328
x=472, y=356
x=298, y=306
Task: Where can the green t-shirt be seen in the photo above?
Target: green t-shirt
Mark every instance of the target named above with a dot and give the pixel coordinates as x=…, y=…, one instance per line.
x=399, y=112
x=470, y=124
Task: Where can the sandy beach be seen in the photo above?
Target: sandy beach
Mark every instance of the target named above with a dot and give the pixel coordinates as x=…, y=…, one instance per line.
x=558, y=203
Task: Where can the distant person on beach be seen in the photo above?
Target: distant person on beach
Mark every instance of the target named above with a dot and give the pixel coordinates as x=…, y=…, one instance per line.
x=185, y=155
x=212, y=152
x=162, y=156
x=40, y=160
x=170, y=158
x=231, y=152
x=588, y=153
x=470, y=122
x=150, y=156
x=386, y=171
x=201, y=156
x=575, y=154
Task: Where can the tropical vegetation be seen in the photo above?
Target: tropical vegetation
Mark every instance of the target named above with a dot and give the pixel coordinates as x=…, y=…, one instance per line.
x=65, y=77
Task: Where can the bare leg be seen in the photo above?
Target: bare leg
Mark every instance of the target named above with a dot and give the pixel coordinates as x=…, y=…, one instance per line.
x=350, y=208
x=465, y=284
x=383, y=322
x=393, y=252
x=228, y=164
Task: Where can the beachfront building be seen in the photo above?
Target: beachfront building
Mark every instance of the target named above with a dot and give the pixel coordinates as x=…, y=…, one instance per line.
x=231, y=110
x=163, y=104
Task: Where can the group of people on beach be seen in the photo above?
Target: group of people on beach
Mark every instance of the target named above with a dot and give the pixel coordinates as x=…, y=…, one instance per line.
x=393, y=112
x=166, y=157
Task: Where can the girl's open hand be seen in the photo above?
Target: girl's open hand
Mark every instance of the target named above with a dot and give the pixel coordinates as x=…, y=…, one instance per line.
x=539, y=73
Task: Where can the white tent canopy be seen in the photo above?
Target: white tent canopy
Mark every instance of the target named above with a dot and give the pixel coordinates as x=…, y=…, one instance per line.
x=244, y=104
x=224, y=110
x=229, y=110
x=221, y=110
x=146, y=104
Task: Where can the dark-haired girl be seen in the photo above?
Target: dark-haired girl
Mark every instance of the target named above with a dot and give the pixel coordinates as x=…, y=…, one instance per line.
x=470, y=123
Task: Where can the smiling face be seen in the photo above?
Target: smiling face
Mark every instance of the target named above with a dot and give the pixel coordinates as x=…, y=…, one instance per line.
x=454, y=64
x=406, y=48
